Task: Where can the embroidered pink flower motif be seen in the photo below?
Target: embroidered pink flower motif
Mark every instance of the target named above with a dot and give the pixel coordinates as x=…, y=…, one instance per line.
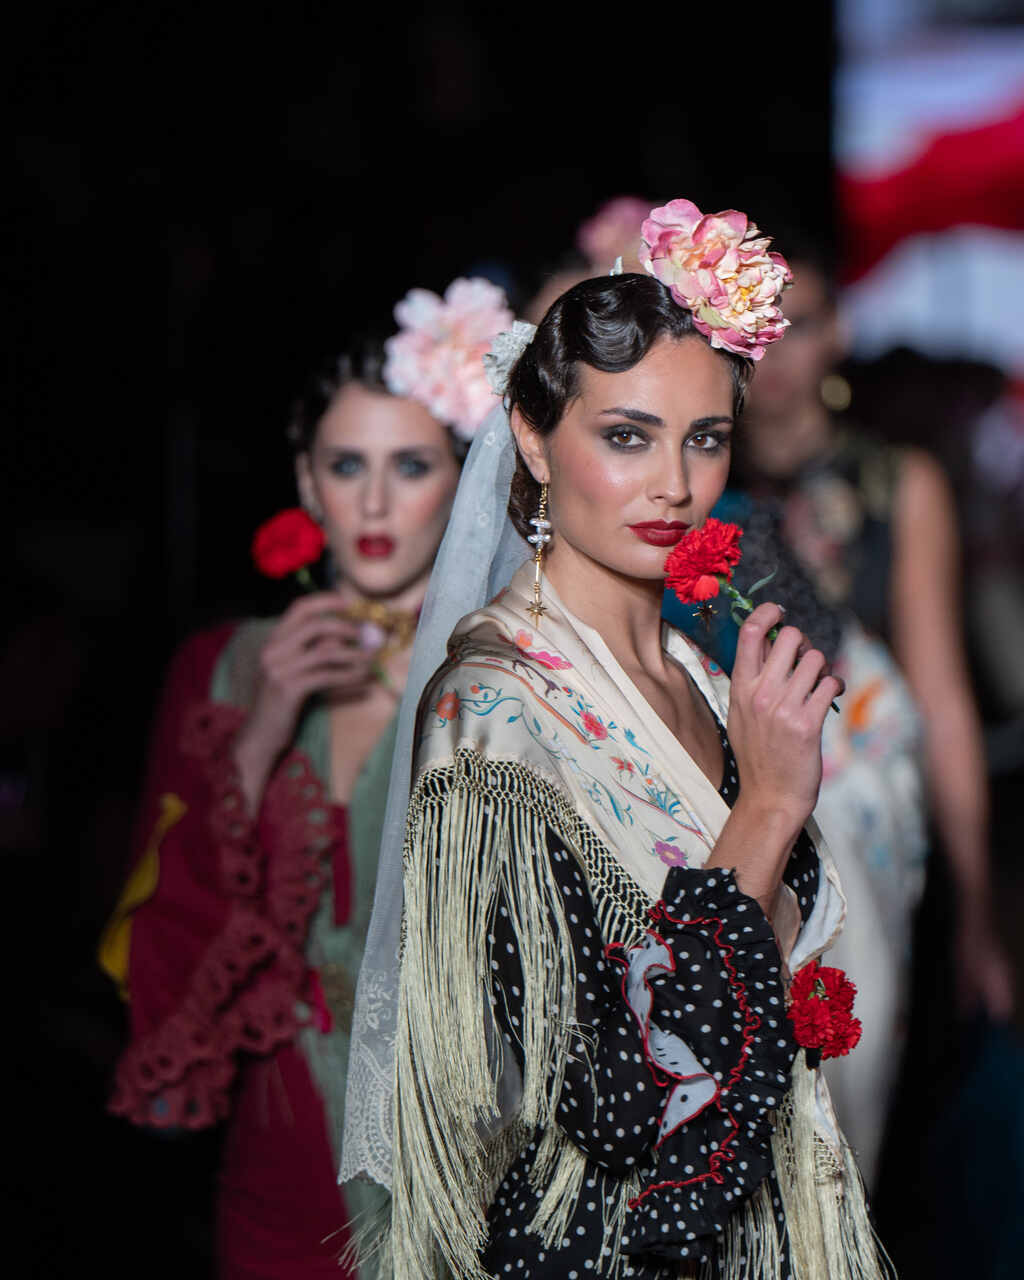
x=437, y=356
x=447, y=707
x=552, y=661
x=623, y=766
x=593, y=726
x=670, y=854
x=614, y=231
x=718, y=266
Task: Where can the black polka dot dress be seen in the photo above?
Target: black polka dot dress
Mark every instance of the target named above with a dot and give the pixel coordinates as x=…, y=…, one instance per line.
x=683, y=1054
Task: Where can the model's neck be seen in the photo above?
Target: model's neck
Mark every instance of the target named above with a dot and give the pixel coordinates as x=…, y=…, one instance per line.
x=408, y=599
x=626, y=612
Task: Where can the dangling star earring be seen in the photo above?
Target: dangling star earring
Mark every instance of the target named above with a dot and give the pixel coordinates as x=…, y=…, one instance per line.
x=539, y=540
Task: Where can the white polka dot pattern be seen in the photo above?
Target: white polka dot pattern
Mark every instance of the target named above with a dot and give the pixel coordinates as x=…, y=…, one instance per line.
x=611, y=1103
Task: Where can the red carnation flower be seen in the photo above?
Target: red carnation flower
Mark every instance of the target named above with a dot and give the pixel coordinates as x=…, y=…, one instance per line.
x=821, y=1003
x=844, y=1034
x=838, y=987
x=287, y=543
x=812, y=1024
x=703, y=560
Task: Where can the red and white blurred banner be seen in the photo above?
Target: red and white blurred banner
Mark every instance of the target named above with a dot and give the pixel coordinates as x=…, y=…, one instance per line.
x=930, y=161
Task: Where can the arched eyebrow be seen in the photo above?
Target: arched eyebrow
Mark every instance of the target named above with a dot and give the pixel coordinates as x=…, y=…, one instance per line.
x=652, y=419
x=418, y=451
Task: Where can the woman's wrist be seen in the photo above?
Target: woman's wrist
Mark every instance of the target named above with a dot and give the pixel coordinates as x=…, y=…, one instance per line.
x=755, y=843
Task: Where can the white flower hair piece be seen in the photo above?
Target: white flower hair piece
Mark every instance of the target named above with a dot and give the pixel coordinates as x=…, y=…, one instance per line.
x=437, y=355
x=505, y=350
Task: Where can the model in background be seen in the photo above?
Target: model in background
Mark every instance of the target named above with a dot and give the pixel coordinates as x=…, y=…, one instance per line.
x=874, y=527
x=239, y=936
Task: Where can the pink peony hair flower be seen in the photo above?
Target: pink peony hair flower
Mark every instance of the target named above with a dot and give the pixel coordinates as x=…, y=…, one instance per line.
x=437, y=355
x=613, y=232
x=718, y=266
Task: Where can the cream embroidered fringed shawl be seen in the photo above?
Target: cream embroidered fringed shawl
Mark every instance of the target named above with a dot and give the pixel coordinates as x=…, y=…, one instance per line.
x=527, y=728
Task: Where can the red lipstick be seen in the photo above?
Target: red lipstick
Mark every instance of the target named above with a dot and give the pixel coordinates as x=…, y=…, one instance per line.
x=378, y=547
x=660, y=533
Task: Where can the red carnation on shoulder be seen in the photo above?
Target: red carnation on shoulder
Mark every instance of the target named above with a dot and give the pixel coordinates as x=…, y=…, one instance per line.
x=702, y=561
x=288, y=543
x=821, y=1004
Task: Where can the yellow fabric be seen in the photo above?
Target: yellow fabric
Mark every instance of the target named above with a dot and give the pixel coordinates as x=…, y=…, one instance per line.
x=115, y=943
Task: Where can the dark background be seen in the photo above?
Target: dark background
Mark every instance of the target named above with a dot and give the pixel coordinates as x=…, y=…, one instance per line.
x=207, y=201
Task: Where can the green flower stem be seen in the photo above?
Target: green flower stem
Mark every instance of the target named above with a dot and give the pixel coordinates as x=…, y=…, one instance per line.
x=305, y=578
x=740, y=601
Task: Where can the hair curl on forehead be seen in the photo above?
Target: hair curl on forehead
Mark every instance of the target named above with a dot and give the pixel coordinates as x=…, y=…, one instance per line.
x=609, y=323
x=363, y=363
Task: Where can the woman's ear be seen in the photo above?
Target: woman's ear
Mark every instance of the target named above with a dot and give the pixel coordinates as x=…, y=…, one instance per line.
x=306, y=486
x=531, y=447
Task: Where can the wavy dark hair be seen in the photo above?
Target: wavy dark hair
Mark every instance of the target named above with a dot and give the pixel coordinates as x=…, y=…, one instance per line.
x=363, y=362
x=609, y=323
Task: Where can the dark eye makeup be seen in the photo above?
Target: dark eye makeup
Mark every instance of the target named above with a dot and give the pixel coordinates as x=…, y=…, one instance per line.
x=628, y=438
x=412, y=465
x=619, y=437
x=408, y=464
x=345, y=464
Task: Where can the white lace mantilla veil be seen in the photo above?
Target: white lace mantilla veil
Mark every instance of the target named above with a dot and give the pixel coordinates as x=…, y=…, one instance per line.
x=479, y=554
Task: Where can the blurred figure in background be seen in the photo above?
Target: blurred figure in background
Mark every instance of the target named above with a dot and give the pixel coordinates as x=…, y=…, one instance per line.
x=239, y=935
x=608, y=234
x=874, y=527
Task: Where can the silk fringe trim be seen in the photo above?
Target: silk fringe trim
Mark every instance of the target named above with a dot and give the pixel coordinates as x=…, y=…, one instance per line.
x=476, y=830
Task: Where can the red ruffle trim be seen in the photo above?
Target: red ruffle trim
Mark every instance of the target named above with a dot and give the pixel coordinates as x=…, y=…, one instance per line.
x=243, y=993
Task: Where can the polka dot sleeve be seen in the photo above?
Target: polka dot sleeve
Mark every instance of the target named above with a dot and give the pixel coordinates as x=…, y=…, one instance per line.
x=609, y=1104
x=704, y=985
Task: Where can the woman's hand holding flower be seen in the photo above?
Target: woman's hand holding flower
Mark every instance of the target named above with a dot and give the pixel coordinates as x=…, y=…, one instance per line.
x=780, y=695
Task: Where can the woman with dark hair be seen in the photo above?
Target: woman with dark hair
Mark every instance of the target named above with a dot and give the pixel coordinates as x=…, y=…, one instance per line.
x=239, y=937
x=873, y=524
x=571, y=1053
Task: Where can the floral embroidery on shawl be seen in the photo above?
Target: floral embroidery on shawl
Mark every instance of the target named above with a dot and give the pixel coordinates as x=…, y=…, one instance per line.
x=624, y=782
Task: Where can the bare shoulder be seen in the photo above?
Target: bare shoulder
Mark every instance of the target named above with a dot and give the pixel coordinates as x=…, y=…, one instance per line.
x=924, y=491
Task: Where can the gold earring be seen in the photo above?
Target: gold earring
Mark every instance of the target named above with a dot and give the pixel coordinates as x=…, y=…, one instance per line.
x=539, y=540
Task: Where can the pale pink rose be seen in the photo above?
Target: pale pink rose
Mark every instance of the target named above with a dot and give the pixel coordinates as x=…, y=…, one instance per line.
x=437, y=355
x=718, y=266
x=614, y=231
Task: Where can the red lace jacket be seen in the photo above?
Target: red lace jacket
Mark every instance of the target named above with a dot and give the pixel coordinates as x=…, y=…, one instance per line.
x=207, y=940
